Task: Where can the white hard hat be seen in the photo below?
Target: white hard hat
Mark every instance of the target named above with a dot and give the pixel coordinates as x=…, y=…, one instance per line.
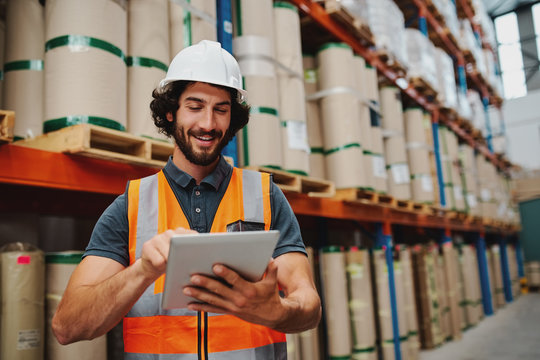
x=206, y=62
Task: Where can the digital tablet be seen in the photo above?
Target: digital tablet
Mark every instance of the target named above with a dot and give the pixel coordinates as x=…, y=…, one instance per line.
x=246, y=252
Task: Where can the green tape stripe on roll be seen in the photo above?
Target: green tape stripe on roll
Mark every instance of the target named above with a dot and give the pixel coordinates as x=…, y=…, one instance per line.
x=364, y=350
x=401, y=338
x=334, y=45
x=60, y=258
x=87, y=41
x=36, y=65
x=1, y=75
x=344, y=357
x=60, y=123
x=317, y=150
x=297, y=172
x=419, y=176
x=245, y=141
x=344, y=147
x=331, y=249
x=283, y=124
x=396, y=164
x=239, y=17
x=187, y=28
x=285, y=5
x=146, y=62
x=413, y=333
x=264, y=110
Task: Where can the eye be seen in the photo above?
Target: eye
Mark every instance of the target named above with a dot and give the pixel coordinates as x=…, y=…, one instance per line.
x=221, y=110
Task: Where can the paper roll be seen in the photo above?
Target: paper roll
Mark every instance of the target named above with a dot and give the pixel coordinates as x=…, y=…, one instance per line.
x=392, y=112
x=336, y=305
x=59, y=267
x=23, y=65
x=254, y=18
x=254, y=55
x=22, y=289
x=148, y=40
x=86, y=74
x=201, y=28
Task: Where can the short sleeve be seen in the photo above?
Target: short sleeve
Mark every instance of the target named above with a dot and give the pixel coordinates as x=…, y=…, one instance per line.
x=284, y=220
x=110, y=237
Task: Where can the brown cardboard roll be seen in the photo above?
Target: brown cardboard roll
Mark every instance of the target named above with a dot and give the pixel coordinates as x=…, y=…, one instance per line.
x=361, y=301
x=148, y=38
x=410, y=303
x=379, y=163
x=336, y=311
x=59, y=267
x=293, y=347
x=383, y=299
x=335, y=66
x=22, y=291
x=23, y=87
x=202, y=28
x=451, y=277
x=85, y=81
x=497, y=276
x=392, y=112
x=254, y=18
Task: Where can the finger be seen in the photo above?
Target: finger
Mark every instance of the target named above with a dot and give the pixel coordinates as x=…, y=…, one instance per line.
x=205, y=296
x=182, y=230
x=229, y=275
x=271, y=271
x=213, y=286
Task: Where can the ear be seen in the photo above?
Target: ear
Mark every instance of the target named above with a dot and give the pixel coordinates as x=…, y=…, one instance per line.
x=170, y=117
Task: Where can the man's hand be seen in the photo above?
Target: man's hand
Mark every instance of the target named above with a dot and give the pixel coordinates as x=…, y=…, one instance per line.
x=256, y=302
x=156, y=251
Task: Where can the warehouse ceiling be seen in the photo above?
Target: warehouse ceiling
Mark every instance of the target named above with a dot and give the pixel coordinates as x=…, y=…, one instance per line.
x=499, y=7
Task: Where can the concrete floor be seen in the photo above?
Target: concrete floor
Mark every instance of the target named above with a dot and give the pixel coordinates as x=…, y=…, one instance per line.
x=512, y=333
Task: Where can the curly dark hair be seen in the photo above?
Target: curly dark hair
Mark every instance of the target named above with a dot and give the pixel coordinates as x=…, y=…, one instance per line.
x=166, y=101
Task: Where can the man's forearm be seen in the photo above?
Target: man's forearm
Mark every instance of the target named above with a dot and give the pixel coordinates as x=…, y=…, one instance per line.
x=89, y=311
x=303, y=312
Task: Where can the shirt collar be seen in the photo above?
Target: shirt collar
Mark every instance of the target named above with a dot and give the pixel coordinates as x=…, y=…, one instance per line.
x=214, y=179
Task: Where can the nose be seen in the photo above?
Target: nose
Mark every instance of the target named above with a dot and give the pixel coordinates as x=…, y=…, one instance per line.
x=207, y=121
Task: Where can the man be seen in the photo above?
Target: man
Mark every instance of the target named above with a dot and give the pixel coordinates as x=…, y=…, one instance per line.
x=199, y=104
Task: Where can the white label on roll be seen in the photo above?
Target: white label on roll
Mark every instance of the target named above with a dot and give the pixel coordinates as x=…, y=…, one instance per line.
x=28, y=339
x=400, y=173
x=378, y=166
x=471, y=200
x=297, y=135
x=427, y=183
x=485, y=195
x=458, y=195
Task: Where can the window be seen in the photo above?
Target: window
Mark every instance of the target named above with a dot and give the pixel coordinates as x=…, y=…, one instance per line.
x=510, y=58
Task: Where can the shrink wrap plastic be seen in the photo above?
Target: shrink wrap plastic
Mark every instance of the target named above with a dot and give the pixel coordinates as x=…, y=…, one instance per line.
x=446, y=78
x=421, y=58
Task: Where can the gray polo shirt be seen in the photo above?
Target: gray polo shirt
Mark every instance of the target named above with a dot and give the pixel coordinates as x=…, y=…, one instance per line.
x=110, y=237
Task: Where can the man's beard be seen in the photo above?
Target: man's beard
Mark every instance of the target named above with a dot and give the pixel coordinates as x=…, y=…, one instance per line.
x=204, y=157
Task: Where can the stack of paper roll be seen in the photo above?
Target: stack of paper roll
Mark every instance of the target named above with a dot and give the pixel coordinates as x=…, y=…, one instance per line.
x=418, y=154
x=448, y=147
x=410, y=303
x=394, y=143
x=442, y=290
x=336, y=311
x=384, y=308
x=22, y=291
x=471, y=282
x=497, y=276
x=456, y=169
x=428, y=131
x=148, y=50
x=450, y=271
x=466, y=154
x=341, y=128
x=86, y=73
x=59, y=267
x=190, y=22
x=427, y=297
x=462, y=300
x=23, y=65
x=313, y=118
x=359, y=67
x=253, y=47
x=532, y=271
x=309, y=339
x=361, y=304
x=291, y=88
x=487, y=175
x=399, y=277
x=377, y=145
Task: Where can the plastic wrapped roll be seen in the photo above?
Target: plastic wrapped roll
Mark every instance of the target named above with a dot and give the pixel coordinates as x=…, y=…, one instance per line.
x=23, y=65
x=86, y=73
x=343, y=149
x=291, y=88
x=361, y=304
x=316, y=157
x=418, y=156
x=59, y=267
x=148, y=50
x=336, y=309
x=23, y=292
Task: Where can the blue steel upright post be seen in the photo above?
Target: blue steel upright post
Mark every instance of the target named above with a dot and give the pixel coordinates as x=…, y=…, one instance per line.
x=505, y=268
x=519, y=258
x=489, y=135
x=484, y=274
x=384, y=239
x=224, y=35
x=437, y=153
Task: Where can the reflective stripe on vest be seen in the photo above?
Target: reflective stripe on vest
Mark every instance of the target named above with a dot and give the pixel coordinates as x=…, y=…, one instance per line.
x=153, y=333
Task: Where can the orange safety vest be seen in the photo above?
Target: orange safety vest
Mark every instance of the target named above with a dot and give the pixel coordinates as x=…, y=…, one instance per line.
x=153, y=333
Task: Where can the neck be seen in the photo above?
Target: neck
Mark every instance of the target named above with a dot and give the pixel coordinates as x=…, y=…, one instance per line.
x=198, y=172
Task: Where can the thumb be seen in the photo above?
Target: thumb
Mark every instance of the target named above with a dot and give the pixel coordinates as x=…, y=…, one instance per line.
x=271, y=271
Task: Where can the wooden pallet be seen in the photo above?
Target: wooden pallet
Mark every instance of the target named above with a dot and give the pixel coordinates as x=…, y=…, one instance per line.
x=423, y=87
x=364, y=196
x=288, y=181
x=353, y=25
x=390, y=60
x=7, y=123
x=103, y=143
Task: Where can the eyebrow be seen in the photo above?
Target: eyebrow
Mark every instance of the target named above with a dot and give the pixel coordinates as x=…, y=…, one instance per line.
x=196, y=99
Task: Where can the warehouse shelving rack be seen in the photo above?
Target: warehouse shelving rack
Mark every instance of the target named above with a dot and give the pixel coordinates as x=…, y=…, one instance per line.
x=56, y=183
